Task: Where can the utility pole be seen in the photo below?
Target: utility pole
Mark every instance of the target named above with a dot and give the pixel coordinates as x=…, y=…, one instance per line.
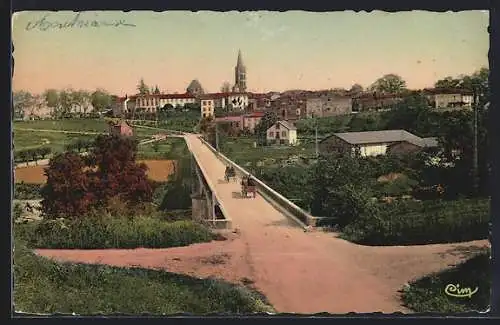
x=315, y=135
x=475, y=168
x=216, y=136
x=316, y=138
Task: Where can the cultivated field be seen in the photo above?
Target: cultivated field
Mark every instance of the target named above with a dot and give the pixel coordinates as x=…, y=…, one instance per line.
x=47, y=133
x=159, y=170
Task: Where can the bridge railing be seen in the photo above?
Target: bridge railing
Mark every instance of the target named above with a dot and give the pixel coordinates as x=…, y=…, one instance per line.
x=290, y=209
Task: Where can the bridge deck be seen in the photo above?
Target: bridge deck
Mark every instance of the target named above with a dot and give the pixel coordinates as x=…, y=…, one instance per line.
x=278, y=249
x=242, y=211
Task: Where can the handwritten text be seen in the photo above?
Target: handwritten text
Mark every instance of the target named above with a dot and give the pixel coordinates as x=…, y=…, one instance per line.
x=44, y=24
x=454, y=290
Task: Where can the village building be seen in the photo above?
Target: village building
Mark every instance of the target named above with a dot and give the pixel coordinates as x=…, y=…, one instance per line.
x=374, y=101
x=251, y=120
x=374, y=143
x=225, y=102
x=151, y=103
x=328, y=104
x=282, y=133
x=291, y=105
x=449, y=98
x=121, y=128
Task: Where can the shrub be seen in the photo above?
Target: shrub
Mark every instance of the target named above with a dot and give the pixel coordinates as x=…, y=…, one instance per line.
x=416, y=223
x=113, y=232
x=27, y=191
x=398, y=187
x=426, y=294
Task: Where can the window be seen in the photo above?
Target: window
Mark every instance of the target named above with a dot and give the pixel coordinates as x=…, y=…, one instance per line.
x=283, y=134
x=271, y=134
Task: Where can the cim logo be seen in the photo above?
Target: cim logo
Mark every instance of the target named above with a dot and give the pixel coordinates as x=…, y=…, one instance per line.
x=454, y=290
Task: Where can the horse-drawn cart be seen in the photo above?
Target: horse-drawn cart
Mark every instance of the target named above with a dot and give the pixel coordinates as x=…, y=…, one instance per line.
x=230, y=175
x=245, y=189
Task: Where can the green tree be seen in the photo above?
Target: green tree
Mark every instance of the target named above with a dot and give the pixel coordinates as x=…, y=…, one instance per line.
x=52, y=98
x=44, y=152
x=448, y=83
x=142, y=88
x=100, y=100
x=265, y=123
x=412, y=114
x=389, y=84
x=22, y=100
x=356, y=89
x=340, y=188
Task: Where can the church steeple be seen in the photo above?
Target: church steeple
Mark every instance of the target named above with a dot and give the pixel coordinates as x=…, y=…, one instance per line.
x=240, y=78
x=240, y=60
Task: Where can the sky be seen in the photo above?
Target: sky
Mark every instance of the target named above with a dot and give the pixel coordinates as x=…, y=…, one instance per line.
x=281, y=50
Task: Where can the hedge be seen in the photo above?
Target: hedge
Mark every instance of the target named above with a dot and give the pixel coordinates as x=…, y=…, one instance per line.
x=109, y=232
x=418, y=223
x=27, y=191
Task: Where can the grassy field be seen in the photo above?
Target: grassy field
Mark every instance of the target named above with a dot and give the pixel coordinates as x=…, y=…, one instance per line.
x=171, y=148
x=56, y=141
x=428, y=295
x=26, y=139
x=44, y=286
x=91, y=125
x=242, y=151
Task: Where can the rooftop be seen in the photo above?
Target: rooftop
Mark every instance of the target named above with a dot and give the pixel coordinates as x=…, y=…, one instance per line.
x=386, y=136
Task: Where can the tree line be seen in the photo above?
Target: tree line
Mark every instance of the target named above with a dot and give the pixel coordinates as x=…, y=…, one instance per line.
x=33, y=154
x=61, y=102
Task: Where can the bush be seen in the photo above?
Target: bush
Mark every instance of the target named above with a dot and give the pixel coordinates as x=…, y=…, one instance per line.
x=44, y=286
x=27, y=191
x=426, y=294
x=398, y=187
x=111, y=232
x=418, y=223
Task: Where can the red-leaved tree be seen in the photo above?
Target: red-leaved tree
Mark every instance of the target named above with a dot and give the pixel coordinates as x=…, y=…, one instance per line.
x=67, y=189
x=109, y=172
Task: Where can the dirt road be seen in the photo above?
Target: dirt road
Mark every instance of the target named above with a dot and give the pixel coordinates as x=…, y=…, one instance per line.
x=299, y=272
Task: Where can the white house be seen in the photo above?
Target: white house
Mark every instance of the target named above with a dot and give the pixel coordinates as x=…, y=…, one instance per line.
x=282, y=132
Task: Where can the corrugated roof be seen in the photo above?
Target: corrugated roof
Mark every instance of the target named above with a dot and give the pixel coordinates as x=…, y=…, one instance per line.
x=386, y=136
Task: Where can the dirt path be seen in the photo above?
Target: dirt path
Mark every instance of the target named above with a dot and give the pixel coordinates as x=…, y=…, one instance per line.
x=299, y=272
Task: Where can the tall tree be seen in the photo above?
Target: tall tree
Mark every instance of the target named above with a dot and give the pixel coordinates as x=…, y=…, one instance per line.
x=226, y=87
x=142, y=88
x=52, y=98
x=356, y=89
x=100, y=100
x=22, y=100
x=340, y=189
x=389, y=84
x=265, y=123
x=447, y=83
x=65, y=101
